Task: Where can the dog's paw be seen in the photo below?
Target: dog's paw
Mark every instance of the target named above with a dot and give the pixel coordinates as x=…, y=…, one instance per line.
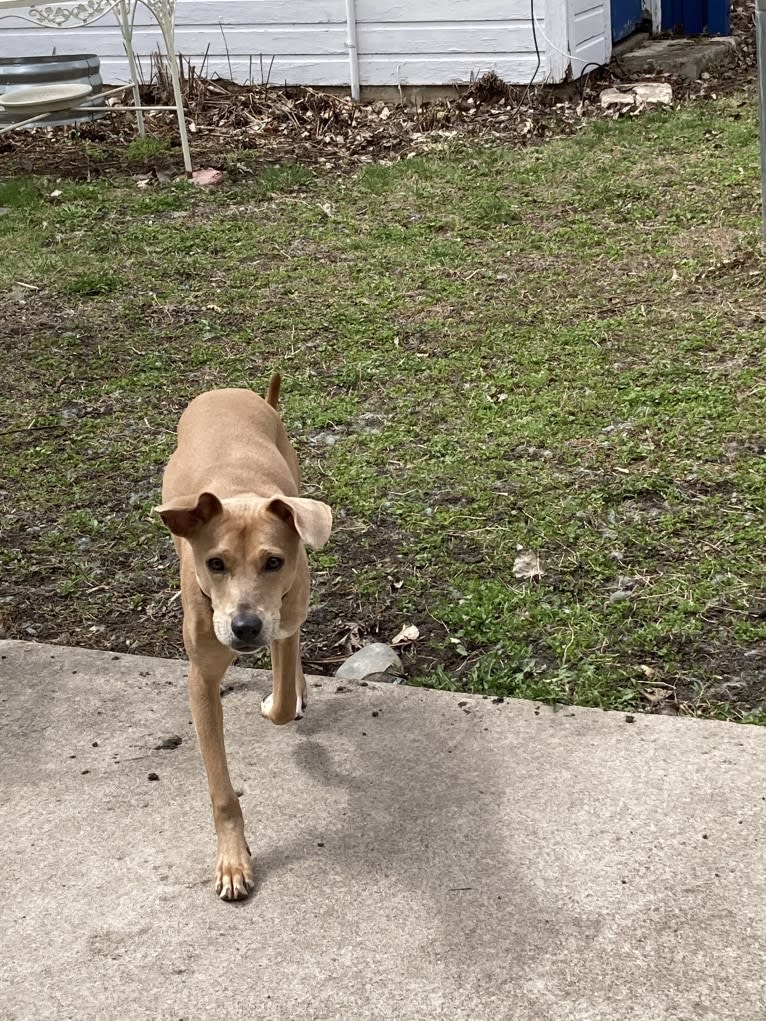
x=234, y=875
x=267, y=709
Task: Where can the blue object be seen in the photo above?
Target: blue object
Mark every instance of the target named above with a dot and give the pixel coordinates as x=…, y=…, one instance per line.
x=693, y=17
x=627, y=15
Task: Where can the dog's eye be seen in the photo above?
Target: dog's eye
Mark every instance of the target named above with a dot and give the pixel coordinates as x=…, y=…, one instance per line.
x=273, y=564
x=216, y=565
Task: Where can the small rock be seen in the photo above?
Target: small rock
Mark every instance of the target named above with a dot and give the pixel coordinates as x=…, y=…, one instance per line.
x=654, y=92
x=325, y=439
x=71, y=410
x=376, y=658
x=627, y=583
x=640, y=94
x=731, y=689
x=168, y=742
x=382, y=678
x=153, y=776
x=369, y=422
x=620, y=596
x=207, y=178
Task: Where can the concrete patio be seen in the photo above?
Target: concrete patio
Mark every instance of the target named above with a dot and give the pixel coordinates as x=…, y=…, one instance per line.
x=419, y=855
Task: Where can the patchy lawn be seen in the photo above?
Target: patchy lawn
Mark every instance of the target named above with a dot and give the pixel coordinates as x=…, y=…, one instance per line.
x=487, y=352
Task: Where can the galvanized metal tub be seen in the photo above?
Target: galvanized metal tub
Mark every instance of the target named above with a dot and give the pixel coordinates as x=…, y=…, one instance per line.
x=80, y=68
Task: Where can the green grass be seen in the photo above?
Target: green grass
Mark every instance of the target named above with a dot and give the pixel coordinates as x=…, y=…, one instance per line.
x=19, y=194
x=563, y=348
x=148, y=148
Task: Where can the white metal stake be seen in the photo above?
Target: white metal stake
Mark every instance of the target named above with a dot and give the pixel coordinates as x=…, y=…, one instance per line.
x=353, y=50
x=126, y=17
x=760, y=32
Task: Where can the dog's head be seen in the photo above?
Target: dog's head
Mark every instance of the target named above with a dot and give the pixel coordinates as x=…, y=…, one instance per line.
x=248, y=556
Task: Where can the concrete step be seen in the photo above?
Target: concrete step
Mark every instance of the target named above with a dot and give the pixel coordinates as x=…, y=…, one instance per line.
x=688, y=58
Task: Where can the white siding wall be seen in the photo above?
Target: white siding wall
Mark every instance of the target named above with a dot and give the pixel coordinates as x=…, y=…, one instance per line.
x=407, y=42
x=590, y=34
x=437, y=42
x=305, y=38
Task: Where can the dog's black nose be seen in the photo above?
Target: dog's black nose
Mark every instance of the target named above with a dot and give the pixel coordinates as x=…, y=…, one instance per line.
x=246, y=627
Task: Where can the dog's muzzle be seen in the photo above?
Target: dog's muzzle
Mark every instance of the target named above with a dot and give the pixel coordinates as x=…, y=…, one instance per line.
x=247, y=632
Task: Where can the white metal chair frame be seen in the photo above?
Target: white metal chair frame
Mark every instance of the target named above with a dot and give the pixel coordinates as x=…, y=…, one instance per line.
x=85, y=12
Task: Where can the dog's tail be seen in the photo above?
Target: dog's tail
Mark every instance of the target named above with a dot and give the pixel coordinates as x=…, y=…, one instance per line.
x=272, y=397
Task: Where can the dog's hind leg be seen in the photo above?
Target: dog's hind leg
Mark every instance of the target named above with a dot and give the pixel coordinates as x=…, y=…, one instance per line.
x=287, y=700
x=233, y=873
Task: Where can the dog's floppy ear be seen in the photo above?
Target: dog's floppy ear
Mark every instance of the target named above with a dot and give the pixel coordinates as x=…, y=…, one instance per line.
x=184, y=515
x=311, y=519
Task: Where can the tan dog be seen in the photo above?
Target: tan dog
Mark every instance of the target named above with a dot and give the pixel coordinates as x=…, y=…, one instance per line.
x=230, y=498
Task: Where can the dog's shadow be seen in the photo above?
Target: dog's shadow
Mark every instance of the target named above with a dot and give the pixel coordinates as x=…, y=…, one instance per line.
x=413, y=806
x=397, y=793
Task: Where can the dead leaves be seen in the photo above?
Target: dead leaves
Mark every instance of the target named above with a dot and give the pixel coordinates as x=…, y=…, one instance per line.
x=656, y=693
x=406, y=636
x=307, y=125
x=351, y=638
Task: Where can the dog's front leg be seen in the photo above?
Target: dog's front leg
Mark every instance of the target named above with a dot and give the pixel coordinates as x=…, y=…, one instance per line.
x=287, y=700
x=233, y=873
